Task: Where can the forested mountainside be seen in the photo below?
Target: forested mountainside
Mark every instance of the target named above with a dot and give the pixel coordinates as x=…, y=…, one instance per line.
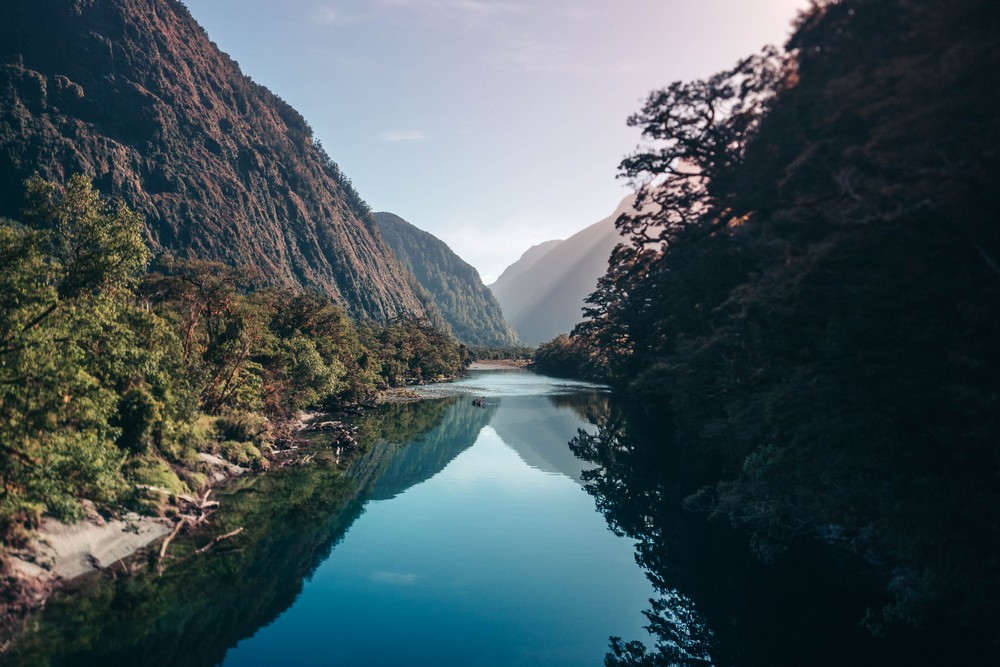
x=543, y=293
x=454, y=286
x=134, y=94
x=815, y=306
x=116, y=375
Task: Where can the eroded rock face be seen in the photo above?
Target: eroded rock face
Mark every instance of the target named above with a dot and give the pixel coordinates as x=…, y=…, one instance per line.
x=134, y=94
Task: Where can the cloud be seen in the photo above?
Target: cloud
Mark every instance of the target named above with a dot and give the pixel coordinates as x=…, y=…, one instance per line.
x=326, y=15
x=534, y=56
x=395, y=578
x=402, y=135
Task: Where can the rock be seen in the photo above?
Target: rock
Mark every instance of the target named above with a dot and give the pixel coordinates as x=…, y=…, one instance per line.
x=93, y=543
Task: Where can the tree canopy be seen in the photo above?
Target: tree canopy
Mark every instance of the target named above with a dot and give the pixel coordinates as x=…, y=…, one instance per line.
x=113, y=377
x=810, y=297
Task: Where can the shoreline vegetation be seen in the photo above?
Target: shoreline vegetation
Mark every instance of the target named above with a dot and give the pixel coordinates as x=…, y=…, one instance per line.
x=58, y=555
x=130, y=387
x=808, y=307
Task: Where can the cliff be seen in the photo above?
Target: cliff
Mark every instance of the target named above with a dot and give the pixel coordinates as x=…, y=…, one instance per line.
x=134, y=94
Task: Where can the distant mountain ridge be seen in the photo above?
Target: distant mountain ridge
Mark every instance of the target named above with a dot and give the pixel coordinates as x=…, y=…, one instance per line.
x=530, y=257
x=134, y=94
x=454, y=286
x=542, y=294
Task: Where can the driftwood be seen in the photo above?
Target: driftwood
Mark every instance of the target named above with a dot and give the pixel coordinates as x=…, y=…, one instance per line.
x=202, y=506
x=171, y=536
x=220, y=538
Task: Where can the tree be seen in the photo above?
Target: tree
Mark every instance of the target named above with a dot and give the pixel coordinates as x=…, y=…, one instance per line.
x=66, y=282
x=697, y=133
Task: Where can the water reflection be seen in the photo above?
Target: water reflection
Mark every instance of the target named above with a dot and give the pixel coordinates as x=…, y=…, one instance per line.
x=419, y=454
x=718, y=605
x=463, y=554
x=200, y=608
x=489, y=562
x=538, y=431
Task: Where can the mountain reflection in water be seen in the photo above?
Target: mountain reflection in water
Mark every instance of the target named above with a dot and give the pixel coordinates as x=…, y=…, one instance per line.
x=437, y=543
x=293, y=518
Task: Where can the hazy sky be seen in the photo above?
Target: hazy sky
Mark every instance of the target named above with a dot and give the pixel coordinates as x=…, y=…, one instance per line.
x=494, y=125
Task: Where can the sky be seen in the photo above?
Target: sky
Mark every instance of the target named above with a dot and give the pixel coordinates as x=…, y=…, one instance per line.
x=494, y=125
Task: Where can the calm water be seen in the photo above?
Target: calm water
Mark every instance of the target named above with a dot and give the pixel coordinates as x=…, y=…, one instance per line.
x=464, y=536
x=497, y=559
x=461, y=537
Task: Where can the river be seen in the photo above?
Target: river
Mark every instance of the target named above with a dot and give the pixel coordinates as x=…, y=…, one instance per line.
x=461, y=535
x=466, y=535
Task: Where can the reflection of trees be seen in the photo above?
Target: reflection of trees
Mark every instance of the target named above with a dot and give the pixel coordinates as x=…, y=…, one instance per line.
x=717, y=603
x=590, y=406
x=293, y=518
x=630, y=494
x=203, y=606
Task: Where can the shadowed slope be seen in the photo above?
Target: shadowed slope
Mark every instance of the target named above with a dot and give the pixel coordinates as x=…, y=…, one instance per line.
x=545, y=298
x=454, y=285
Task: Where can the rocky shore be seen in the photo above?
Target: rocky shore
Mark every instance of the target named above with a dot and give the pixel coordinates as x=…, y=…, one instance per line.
x=58, y=553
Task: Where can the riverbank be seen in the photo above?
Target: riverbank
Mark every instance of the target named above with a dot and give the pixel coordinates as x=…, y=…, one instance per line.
x=341, y=555
x=57, y=554
x=494, y=364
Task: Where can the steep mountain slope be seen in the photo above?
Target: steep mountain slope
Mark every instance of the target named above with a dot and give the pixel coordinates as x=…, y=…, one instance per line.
x=133, y=93
x=544, y=297
x=510, y=275
x=454, y=286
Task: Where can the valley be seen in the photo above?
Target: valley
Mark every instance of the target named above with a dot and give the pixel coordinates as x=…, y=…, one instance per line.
x=747, y=417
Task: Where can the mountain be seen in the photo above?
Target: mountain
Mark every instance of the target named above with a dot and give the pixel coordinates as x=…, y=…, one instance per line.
x=454, y=286
x=134, y=94
x=542, y=294
x=530, y=257
x=538, y=429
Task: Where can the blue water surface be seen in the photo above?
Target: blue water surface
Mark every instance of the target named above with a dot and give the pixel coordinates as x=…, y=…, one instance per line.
x=498, y=559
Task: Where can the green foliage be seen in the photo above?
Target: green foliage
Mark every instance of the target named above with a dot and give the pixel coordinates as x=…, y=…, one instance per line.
x=104, y=373
x=99, y=247
x=454, y=287
x=810, y=296
x=412, y=351
x=64, y=343
x=242, y=427
x=155, y=477
x=564, y=356
x=513, y=353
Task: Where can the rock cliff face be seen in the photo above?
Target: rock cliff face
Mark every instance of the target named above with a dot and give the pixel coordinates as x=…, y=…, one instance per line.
x=542, y=294
x=134, y=94
x=454, y=286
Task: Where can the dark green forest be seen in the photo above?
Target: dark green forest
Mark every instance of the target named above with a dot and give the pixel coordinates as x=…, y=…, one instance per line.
x=116, y=369
x=813, y=303
x=454, y=286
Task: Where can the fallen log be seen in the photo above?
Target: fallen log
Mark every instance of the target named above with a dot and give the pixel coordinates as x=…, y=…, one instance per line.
x=220, y=538
x=167, y=540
